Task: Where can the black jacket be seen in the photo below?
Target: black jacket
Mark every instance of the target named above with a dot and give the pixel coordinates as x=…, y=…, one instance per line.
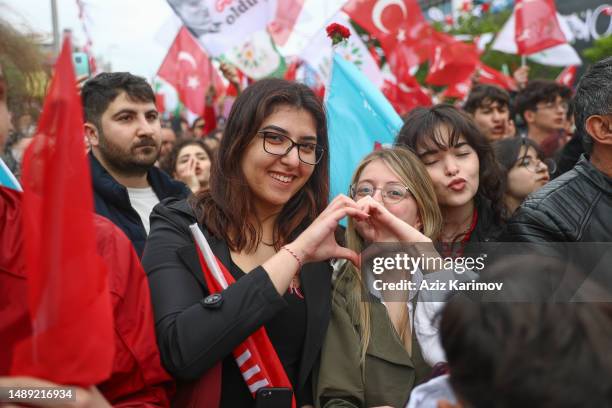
x=575, y=207
x=568, y=156
x=192, y=334
x=488, y=228
x=112, y=201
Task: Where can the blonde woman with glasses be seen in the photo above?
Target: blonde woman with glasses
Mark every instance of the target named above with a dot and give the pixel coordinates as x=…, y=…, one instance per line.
x=371, y=356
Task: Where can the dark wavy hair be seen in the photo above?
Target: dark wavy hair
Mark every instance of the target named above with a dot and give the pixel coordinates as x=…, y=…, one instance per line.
x=483, y=95
x=421, y=129
x=536, y=91
x=226, y=207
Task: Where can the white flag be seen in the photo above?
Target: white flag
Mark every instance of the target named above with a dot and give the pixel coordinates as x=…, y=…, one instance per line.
x=310, y=22
x=219, y=25
x=319, y=53
x=257, y=57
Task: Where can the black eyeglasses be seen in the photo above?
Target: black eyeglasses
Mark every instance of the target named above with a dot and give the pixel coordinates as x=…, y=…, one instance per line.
x=280, y=145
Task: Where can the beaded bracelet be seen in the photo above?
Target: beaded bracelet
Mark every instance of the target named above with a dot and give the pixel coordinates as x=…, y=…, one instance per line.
x=297, y=258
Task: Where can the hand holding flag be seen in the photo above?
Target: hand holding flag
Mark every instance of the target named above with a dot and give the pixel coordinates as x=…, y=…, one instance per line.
x=256, y=357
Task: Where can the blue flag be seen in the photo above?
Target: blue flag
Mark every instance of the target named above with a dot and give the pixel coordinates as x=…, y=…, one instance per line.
x=359, y=117
x=7, y=179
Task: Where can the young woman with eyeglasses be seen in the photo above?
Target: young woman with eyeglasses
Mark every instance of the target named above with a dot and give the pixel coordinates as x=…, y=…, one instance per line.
x=371, y=355
x=524, y=169
x=267, y=220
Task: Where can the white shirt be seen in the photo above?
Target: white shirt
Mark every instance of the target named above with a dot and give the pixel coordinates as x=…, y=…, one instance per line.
x=428, y=394
x=143, y=200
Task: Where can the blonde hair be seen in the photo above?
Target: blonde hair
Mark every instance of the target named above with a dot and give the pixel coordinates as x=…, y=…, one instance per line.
x=412, y=173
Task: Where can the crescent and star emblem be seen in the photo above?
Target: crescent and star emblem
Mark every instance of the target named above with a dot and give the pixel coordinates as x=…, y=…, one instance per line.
x=185, y=56
x=378, y=9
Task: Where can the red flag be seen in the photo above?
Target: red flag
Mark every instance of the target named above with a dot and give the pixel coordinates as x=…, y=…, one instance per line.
x=287, y=12
x=568, y=76
x=210, y=118
x=319, y=90
x=72, y=338
x=291, y=72
x=452, y=63
x=389, y=21
x=536, y=26
x=458, y=90
x=400, y=27
x=189, y=70
x=488, y=75
x=160, y=102
x=405, y=96
x=256, y=357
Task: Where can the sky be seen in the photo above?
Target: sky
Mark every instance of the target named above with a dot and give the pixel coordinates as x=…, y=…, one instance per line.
x=134, y=35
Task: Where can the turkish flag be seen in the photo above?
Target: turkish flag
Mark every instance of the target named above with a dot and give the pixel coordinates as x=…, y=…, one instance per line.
x=189, y=70
x=287, y=12
x=459, y=90
x=400, y=27
x=72, y=340
x=405, y=96
x=389, y=21
x=567, y=76
x=452, y=63
x=488, y=75
x=536, y=26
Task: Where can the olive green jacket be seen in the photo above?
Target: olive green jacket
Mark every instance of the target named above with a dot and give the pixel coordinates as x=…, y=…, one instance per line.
x=389, y=374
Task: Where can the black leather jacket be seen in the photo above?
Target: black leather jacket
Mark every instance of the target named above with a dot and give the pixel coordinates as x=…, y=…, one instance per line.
x=575, y=207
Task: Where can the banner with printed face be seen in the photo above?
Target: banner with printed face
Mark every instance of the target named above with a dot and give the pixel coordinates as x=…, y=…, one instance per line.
x=220, y=24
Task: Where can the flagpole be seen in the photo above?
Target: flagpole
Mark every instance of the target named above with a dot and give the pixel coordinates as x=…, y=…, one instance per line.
x=209, y=257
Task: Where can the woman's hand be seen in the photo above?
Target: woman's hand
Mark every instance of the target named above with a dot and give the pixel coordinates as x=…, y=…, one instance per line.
x=188, y=175
x=383, y=226
x=318, y=243
x=521, y=76
x=231, y=74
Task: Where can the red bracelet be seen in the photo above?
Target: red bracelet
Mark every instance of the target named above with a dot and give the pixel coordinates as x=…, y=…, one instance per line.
x=297, y=258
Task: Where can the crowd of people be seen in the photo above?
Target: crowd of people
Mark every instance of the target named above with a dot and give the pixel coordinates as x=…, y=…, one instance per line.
x=504, y=168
